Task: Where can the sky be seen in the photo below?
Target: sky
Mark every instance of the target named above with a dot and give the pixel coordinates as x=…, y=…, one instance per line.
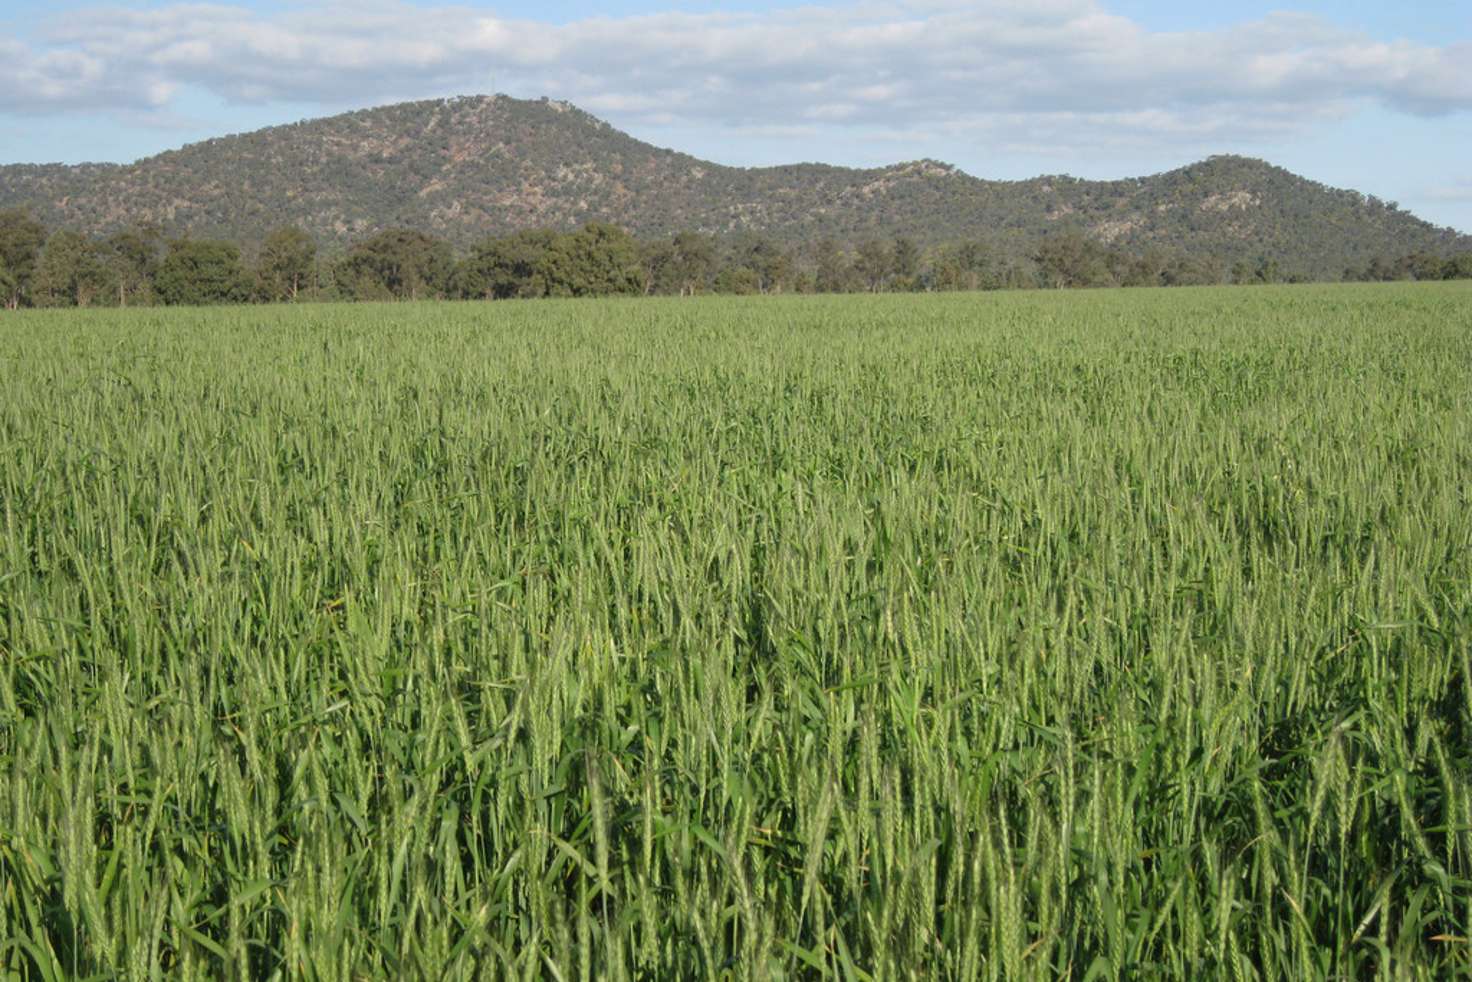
x=1366, y=94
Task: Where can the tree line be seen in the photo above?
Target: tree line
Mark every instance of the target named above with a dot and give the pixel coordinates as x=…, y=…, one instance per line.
x=1415, y=266
x=140, y=266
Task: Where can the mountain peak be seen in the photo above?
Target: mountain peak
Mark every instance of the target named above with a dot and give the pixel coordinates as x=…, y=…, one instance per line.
x=926, y=167
x=471, y=166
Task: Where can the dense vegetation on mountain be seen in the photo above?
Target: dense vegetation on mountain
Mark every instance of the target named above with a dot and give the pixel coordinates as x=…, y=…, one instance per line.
x=467, y=169
x=139, y=266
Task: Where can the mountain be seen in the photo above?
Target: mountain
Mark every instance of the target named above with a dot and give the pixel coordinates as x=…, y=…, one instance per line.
x=471, y=167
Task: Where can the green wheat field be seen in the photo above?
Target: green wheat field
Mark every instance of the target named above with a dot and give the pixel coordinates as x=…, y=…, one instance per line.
x=1097, y=635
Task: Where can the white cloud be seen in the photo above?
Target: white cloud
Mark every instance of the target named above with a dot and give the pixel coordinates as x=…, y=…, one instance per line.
x=1023, y=73
x=1457, y=191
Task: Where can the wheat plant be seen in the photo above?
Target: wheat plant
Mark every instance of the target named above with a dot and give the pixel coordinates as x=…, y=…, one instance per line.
x=1090, y=635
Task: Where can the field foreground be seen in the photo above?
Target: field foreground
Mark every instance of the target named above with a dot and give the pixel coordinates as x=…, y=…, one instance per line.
x=1090, y=634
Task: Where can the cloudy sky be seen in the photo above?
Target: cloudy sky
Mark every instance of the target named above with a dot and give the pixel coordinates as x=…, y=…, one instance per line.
x=1358, y=93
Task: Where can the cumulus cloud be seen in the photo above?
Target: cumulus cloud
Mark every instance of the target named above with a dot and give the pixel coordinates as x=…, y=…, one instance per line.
x=1040, y=71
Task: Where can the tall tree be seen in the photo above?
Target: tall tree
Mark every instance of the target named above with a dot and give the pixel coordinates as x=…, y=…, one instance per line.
x=834, y=274
x=288, y=257
x=8, y=285
x=1187, y=270
x=1425, y=266
x=679, y=265
x=1071, y=259
x=201, y=271
x=506, y=267
x=963, y=266
x=738, y=280
x=1147, y=269
x=658, y=259
x=905, y=264
x=765, y=258
x=874, y=263
x=70, y=272
x=598, y=260
x=21, y=239
x=397, y=264
x=132, y=257
x=695, y=258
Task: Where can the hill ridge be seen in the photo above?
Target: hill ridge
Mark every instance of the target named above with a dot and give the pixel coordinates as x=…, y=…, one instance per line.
x=468, y=167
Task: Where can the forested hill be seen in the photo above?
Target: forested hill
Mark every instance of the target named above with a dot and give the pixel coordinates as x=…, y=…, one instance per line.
x=467, y=168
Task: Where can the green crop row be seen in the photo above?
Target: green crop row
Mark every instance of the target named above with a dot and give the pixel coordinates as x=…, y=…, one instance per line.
x=1094, y=635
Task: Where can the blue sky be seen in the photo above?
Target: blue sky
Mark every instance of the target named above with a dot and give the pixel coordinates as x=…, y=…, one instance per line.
x=1370, y=95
